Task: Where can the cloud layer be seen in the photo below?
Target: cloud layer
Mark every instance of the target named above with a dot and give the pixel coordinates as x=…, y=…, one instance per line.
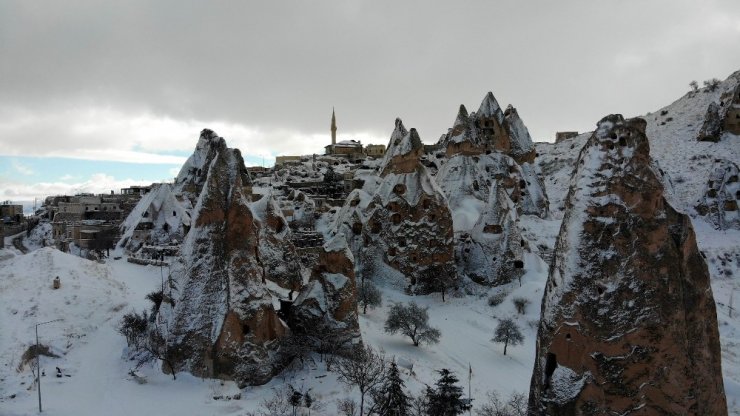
x=137, y=80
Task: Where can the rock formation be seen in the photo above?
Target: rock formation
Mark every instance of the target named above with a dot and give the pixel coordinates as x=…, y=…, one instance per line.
x=328, y=304
x=160, y=217
x=487, y=146
x=405, y=223
x=723, y=116
x=164, y=214
x=492, y=253
x=719, y=203
x=467, y=182
x=711, y=129
x=237, y=265
x=628, y=320
x=489, y=129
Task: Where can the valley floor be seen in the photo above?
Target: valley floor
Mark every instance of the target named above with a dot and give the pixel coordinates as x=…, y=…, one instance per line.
x=96, y=377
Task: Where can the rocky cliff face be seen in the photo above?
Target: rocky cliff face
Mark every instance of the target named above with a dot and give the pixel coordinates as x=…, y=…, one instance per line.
x=719, y=204
x=492, y=253
x=628, y=320
x=164, y=215
x=489, y=129
x=406, y=222
x=160, y=217
x=467, y=182
x=722, y=116
x=487, y=146
x=326, y=309
x=237, y=264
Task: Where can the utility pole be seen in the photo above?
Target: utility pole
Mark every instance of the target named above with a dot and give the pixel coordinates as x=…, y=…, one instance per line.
x=38, y=360
x=731, y=308
x=470, y=396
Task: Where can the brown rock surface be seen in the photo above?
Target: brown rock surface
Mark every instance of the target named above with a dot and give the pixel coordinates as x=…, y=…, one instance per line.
x=489, y=129
x=236, y=264
x=406, y=222
x=628, y=320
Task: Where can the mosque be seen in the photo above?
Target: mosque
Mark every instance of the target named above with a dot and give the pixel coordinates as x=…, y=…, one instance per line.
x=351, y=149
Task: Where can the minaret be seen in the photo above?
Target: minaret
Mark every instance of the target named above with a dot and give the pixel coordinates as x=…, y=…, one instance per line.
x=333, y=127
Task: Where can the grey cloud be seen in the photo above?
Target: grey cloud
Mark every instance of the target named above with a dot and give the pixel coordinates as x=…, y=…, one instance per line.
x=283, y=65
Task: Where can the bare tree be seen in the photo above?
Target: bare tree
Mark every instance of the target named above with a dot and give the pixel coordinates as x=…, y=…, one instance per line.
x=521, y=305
x=420, y=405
x=278, y=404
x=694, y=86
x=413, y=321
x=712, y=84
x=347, y=407
x=508, y=332
x=364, y=369
x=516, y=406
x=145, y=340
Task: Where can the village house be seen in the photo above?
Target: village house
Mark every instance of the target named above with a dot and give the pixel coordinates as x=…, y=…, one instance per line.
x=11, y=213
x=565, y=135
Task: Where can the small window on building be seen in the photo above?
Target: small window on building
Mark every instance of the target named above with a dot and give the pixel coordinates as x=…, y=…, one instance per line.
x=174, y=214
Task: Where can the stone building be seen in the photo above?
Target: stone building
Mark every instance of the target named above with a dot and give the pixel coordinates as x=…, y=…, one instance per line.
x=283, y=160
x=565, y=135
x=11, y=213
x=375, y=150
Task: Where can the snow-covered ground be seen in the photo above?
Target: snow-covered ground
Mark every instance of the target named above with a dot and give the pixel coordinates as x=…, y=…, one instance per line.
x=94, y=296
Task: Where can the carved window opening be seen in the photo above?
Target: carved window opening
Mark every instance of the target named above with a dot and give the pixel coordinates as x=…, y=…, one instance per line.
x=551, y=363
x=399, y=189
x=375, y=227
x=357, y=228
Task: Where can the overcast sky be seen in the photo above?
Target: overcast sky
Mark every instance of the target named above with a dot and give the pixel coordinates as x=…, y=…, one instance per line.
x=95, y=95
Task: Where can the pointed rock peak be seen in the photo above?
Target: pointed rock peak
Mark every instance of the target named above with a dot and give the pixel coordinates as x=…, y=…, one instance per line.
x=511, y=111
x=400, y=128
x=208, y=133
x=462, y=118
x=609, y=121
x=462, y=112
x=605, y=125
x=404, y=150
x=211, y=138
x=398, y=133
x=489, y=107
x=415, y=140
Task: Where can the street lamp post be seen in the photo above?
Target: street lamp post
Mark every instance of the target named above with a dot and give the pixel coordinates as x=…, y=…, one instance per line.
x=38, y=360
